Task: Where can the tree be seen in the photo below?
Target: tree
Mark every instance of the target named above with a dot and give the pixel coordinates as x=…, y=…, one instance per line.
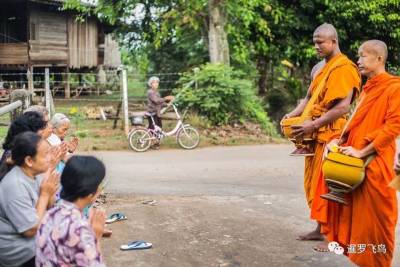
x=217, y=37
x=160, y=22
x=256, y=34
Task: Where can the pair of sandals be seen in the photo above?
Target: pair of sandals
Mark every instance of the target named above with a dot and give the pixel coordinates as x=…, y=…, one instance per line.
x=135, y=245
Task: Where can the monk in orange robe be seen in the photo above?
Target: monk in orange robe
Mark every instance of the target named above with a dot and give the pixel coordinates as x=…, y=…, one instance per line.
x=365, y=227
x=341, y=83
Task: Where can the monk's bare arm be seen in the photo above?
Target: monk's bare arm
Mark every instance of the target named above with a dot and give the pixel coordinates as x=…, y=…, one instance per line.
x=299, y=109
x=368, y=150
x=303, y=102
x=338, y=110
x=363, y=153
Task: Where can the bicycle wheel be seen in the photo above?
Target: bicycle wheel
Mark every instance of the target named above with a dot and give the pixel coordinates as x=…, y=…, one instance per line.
x=188, y=137
x=139, y=140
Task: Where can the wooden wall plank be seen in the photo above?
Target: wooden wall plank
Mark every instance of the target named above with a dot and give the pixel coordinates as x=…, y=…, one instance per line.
x=13, y=53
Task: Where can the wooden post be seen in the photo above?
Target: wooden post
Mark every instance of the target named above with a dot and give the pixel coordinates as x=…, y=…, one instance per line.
x=125, y=101
x=47, y=90
x=30, y=83
x=67, y=88
x=117, y=116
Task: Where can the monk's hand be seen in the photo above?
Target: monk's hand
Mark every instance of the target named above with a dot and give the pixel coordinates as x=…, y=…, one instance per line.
x=306, y=128
x=397, y=167
x=287, y=116
x=330, y=145
x=351, y=151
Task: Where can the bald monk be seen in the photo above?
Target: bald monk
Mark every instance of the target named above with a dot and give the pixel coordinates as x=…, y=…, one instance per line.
x=341, y=83
x=371, y=214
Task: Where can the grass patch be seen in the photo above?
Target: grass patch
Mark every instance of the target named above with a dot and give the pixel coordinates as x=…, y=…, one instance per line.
x=100, y=135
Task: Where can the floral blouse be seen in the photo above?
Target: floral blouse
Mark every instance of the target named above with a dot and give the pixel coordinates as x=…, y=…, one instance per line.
x=65, y=238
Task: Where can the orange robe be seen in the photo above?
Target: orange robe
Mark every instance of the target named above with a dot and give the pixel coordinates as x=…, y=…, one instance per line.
x=343, y=78
x=371, y=215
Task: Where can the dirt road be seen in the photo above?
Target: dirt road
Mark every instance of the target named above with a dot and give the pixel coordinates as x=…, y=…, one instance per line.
x=225, y=206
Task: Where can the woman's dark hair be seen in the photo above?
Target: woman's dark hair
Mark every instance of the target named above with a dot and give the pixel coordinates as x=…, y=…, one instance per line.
x=81, y=177
x=24, y=145
x=29, y=121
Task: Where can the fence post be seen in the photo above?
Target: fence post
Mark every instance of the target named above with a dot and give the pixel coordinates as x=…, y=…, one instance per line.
x=30, y=84
x=125, y=101
x=67, y=88
x=47, y=90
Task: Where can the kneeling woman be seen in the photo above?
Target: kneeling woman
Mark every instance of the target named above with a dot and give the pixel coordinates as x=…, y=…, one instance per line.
x=24, y=199
x=66, y=237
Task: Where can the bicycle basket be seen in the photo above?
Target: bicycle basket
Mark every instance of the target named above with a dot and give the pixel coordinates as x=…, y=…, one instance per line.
x=137, y=120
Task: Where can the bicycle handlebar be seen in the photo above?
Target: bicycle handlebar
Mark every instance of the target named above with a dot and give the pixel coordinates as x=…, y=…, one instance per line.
x=162, y=111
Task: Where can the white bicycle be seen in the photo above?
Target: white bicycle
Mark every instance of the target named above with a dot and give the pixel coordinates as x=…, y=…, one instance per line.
x=140, y=138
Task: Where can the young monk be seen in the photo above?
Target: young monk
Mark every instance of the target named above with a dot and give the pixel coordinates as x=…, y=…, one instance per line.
x=341, y=82
x=366, y=226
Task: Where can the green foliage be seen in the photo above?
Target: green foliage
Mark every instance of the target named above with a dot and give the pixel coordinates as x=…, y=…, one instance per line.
x=358, y=21
x=77, y=117
x=287, y=90
x=171, y=36
x=223, y=96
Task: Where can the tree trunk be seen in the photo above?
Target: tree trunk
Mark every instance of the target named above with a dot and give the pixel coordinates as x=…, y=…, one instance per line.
x=217, y=37
x=262, y=68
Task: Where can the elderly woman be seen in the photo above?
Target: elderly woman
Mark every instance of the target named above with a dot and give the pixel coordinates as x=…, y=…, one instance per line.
x=66, y=237
x=61, y=125
x=155, y=102
x=24, y=198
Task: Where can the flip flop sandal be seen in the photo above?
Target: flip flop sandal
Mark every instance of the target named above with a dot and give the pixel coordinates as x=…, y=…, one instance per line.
x=115, y=217
x=137, y=245
x=150, y=202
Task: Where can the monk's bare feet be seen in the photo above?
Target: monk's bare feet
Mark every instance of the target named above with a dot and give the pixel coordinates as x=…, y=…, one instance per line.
x=311, y=236
x=321, y=247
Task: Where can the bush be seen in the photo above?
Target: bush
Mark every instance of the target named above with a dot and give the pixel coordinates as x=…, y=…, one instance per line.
x=223, y=96
x=287, y=90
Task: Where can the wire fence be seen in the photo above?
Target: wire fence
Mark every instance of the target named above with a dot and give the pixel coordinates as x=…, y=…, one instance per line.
x=102, y=95
x=83, y=85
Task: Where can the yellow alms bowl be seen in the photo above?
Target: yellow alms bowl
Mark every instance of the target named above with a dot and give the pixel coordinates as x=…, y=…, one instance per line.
x=287, y=124
x=342, y=168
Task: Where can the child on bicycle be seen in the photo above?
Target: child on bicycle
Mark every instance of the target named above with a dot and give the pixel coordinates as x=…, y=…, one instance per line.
x=155, y=103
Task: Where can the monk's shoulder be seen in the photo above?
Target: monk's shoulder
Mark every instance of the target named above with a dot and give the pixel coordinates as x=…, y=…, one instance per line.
x=393, y=87
x=347, y=72
x=317, y=67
